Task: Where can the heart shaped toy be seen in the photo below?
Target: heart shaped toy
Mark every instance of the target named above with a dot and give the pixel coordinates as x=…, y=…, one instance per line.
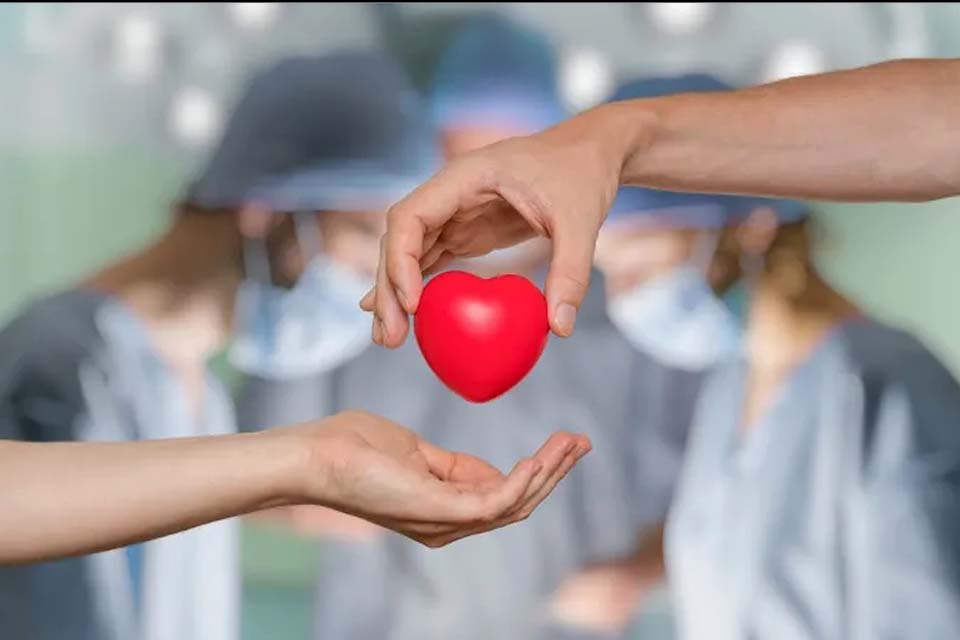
x=481, y=336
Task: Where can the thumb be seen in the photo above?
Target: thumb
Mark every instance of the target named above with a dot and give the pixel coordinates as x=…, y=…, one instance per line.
x=569, y=275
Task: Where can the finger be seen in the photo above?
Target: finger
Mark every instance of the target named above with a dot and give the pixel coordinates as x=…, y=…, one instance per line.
x=570, y=449
x=462, y=184
x=490, y=506
x=499, y=510
x=581, y=446
x=569, y=276
x=368, y=299
x=453, y=466
x=431, y=238
x=551, y=455
x=389, y=315
x=445, y=259
x=431, y=256
x=493, y=225
x=408, y=224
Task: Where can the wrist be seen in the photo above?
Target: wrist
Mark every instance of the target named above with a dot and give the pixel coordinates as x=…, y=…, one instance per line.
x=289, y=459
x=626, y=131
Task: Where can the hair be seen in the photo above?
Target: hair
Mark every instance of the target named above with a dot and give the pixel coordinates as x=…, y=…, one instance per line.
x=788, y=259
x=184, y=208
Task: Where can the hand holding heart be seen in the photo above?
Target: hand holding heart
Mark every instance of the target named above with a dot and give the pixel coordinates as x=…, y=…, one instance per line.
x=557, y=184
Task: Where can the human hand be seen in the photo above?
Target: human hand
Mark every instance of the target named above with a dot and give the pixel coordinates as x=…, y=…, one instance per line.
x=557, y=184
x=367, y=466
x=600, y=599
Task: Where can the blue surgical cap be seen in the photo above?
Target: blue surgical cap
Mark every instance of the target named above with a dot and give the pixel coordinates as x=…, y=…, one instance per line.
x=496, y=73
x=689, y=210
x=344, y=131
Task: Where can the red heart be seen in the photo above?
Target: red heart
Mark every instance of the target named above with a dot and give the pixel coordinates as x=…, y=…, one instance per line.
x=481, y=336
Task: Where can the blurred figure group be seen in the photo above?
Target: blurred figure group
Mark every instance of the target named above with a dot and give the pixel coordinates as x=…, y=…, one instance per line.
x=806, y=505
x=495, y=80
x=819, y=475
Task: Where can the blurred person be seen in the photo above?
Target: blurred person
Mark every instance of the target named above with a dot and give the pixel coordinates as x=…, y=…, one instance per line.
x=495, y=80
x=818, y=494
x=655, y=252
x=123, y=355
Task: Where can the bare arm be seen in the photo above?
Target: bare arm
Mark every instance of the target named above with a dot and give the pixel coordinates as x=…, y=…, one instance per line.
x=60, y=499
x=885, y=132
x=68, y=498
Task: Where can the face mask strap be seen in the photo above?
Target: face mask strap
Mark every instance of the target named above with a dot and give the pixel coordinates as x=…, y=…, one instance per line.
x=307, y=229
x=256, y=264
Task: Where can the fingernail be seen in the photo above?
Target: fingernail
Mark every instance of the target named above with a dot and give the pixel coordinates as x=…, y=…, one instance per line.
x=565, y=318
x=366, y=296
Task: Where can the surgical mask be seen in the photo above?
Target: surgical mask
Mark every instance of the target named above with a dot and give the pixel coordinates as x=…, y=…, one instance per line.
x=310, y=328
x=677, y=319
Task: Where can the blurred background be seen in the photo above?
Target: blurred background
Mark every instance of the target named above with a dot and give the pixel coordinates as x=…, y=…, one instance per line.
x=108, y=108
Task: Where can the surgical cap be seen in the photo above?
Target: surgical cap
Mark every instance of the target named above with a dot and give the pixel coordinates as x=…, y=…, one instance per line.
x=689, y=210
x=496, y=73
x=344, y=131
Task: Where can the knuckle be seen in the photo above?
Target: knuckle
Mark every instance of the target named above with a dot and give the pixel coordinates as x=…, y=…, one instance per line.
x=569, y=281
x=357, y=415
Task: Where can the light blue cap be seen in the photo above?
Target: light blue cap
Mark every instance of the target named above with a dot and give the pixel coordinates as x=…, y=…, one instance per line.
x=496, y=73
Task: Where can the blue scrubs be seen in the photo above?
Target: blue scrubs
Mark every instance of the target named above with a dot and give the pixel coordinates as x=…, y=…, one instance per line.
x=498, y=585
x=838, y=514
x=79, y=366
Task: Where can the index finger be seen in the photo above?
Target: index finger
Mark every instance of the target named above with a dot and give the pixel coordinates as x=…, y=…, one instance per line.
x=454, y=466
x=462, y=184
x=430, y=205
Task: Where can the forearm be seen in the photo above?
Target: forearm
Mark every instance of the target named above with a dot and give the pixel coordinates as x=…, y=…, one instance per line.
x=69, y=498
x=885, y=132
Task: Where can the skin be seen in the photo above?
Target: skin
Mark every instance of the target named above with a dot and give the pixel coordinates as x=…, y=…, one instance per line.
x=458, y=139
x=75, y=498
x=182, y=287
x=884, y=132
